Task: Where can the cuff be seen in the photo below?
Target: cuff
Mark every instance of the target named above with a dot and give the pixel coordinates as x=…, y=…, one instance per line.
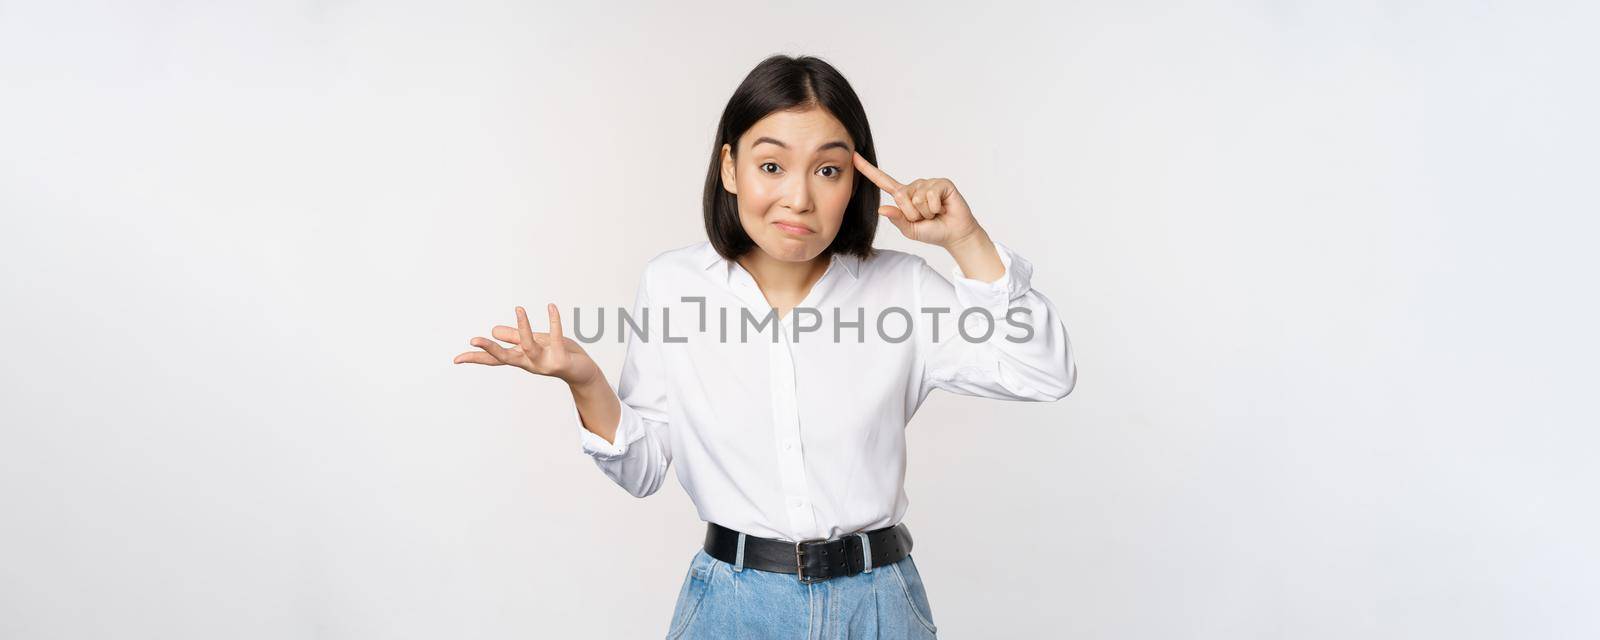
x=995, y=296
x=597, y=446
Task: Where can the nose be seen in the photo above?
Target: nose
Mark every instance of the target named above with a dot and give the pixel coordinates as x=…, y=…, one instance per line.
x=797, y=193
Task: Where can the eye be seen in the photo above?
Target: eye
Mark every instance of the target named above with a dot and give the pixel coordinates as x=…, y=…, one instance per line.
x=836, y=171
x=765, y=164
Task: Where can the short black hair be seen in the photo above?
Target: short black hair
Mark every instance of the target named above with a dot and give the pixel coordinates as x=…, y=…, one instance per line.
x=782, y=83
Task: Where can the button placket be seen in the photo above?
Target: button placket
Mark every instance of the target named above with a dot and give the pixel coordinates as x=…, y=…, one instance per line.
x=786, y=427
x=785, y=404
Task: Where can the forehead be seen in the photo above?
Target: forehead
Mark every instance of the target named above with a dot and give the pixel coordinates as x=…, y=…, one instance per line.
x=799, y=129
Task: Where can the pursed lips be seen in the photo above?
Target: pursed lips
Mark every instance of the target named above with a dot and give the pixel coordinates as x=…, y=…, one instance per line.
x=791, y=227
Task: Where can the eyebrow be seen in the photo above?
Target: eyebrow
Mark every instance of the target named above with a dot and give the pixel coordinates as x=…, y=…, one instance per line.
x=826, y=145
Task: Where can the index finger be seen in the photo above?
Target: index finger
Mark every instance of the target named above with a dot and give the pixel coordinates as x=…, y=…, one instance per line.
x=528, y=343
x=876, y=175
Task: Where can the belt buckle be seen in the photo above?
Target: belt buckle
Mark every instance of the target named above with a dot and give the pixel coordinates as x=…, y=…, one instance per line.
x=800, y=563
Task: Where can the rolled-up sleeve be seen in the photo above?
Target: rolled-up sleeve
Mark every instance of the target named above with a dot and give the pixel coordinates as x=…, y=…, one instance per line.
x=638, y=458
x=1017, y=350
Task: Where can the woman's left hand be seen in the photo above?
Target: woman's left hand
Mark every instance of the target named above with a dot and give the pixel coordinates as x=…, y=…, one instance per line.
x=930, y=209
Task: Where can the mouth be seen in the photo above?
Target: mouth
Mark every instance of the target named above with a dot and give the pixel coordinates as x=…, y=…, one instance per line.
x=793, y=229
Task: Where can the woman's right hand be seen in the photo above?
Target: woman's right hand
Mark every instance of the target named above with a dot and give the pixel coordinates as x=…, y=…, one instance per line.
x=535, y=352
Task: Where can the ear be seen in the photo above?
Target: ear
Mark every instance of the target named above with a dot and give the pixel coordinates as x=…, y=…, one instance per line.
x=728, y=183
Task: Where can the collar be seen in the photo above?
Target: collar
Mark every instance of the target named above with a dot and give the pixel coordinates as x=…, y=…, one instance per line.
x=710, y=258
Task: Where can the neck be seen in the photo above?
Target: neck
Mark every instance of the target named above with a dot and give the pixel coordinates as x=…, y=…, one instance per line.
x=783, y=282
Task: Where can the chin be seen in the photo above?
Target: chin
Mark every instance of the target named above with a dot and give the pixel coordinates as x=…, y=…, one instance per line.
x=788, y=248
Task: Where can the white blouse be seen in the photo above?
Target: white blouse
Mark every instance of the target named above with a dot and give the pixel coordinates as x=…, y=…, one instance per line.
x=799, y=434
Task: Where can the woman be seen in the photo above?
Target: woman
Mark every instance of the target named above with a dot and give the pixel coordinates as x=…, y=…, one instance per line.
x=791, y=444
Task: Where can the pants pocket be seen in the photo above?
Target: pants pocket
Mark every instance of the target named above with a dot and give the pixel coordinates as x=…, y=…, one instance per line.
x=695, y=582
x=910, y=580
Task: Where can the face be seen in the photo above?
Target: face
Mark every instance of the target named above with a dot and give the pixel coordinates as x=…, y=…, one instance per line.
x=793, y=177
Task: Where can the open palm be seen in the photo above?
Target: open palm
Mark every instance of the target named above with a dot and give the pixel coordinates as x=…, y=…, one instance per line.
x=535, y=351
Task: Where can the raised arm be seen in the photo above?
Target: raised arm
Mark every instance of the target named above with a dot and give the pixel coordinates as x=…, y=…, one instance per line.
x=1020, y=351
x=1015, y=348
x=625, y=428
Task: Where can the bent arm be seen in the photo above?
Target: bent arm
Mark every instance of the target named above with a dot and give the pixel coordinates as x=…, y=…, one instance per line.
x=1028, y=355
x=626, y=428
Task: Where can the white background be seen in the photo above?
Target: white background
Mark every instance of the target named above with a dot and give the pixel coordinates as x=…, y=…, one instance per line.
x=1328, y=268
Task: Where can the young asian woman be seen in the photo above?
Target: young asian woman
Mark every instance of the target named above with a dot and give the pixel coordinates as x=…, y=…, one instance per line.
x=793, y=450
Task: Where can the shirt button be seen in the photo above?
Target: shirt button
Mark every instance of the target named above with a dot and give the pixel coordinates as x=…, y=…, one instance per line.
x=797, y=502
x=788, y=445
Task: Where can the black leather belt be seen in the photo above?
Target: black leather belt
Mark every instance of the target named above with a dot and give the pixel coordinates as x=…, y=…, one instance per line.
x=810, y=560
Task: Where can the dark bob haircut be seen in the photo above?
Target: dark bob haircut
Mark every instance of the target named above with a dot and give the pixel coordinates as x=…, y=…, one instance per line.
x=782, y=83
